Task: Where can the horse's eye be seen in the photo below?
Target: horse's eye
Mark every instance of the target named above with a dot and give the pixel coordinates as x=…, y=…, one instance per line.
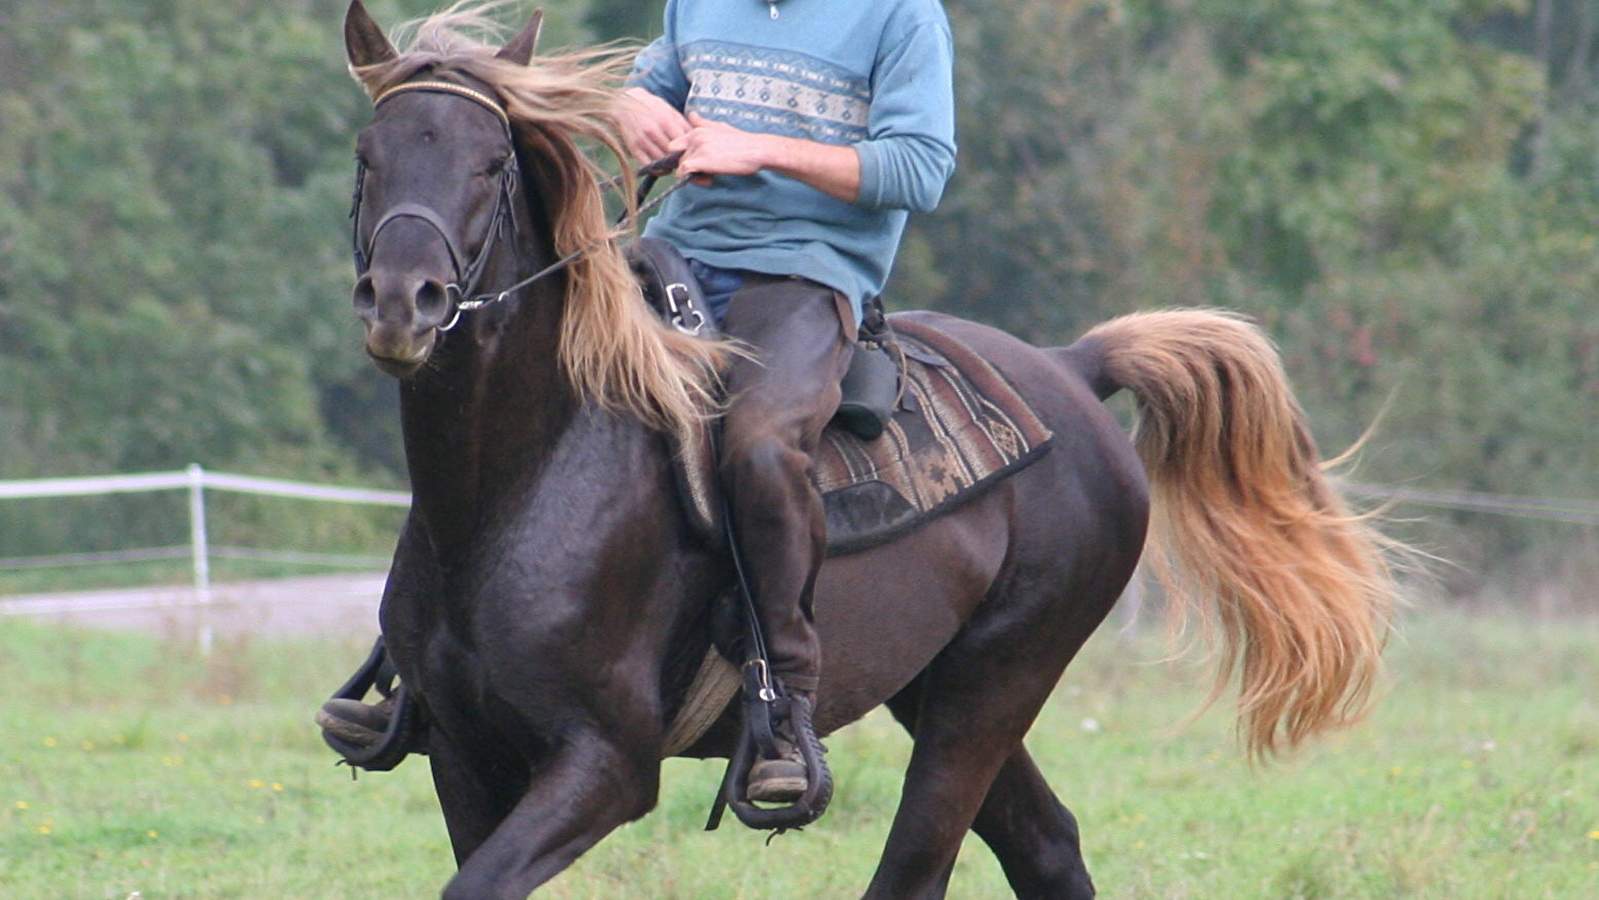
x=497, y=166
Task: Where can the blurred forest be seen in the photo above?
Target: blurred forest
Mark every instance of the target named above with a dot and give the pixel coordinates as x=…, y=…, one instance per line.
x=1406, y=195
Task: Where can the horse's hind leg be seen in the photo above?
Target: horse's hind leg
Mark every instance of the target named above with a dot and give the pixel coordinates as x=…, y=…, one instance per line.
x=968, y=747
x=1032, y=834
x=968, y=712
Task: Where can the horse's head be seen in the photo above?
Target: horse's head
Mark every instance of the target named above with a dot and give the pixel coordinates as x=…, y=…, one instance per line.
x=471, y=145
x=436, y=193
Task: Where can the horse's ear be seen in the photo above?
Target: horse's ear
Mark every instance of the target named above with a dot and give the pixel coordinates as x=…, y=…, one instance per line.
x=364, y=41
x=520, y=48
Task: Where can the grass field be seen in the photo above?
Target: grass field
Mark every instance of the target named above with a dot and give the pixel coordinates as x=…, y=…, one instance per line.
x=128, y=765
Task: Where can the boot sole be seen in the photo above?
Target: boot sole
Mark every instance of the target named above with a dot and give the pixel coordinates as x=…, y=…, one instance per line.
x=348, y=731
x=778, y=790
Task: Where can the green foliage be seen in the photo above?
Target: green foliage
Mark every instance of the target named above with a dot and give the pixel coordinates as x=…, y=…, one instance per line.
x=613, y=19
x=1406, y=194
x=1370, y=126
x=171, y=188
x=1393, y=189
x=1021, y=241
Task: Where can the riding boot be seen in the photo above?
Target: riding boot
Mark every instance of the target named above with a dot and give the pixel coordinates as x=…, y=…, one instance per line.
x=782, y=777
x=804, y=333
x=362, y=724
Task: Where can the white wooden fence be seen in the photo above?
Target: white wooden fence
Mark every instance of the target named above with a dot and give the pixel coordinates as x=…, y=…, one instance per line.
x=196, y=481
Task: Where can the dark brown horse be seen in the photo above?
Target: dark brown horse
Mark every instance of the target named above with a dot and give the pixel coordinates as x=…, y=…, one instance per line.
x=548, y=602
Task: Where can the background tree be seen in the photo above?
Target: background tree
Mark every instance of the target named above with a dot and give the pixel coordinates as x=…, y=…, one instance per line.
x=614, y=19
x=1393, y=189
x=1407, y=195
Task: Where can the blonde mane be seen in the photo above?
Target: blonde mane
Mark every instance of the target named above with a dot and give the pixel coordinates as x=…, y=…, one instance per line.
x=613, y=348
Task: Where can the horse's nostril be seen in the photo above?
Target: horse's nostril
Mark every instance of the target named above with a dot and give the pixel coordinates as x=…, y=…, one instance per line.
x=365, y=297
x=432, y=302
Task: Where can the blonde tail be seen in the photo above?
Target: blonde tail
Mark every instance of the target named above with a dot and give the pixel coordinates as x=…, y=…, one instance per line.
x=1300, y=593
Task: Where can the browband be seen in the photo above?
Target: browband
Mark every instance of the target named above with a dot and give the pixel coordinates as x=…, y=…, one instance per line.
x=446, y=87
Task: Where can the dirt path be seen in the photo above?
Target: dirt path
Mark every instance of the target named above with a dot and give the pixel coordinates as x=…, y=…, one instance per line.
x=335, y=604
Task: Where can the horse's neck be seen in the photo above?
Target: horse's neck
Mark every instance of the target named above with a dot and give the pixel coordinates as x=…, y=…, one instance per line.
x=484, y=419
x=479, y=422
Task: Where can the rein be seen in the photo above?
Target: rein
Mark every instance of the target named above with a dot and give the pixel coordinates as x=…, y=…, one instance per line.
x=463, y=290
x=649, y=172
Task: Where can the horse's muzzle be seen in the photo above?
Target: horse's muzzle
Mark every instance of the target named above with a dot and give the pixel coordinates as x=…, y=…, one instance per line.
x=403, y=315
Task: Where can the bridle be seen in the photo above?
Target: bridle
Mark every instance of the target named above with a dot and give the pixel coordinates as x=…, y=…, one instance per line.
x=462, y=291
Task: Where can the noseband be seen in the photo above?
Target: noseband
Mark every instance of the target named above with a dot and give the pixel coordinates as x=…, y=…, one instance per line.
x=462, y=290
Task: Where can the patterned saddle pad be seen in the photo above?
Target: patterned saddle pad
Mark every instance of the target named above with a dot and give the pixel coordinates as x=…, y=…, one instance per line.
x=960, y=428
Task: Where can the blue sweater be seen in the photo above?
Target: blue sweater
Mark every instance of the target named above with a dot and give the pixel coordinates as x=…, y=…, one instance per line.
x=872, y=74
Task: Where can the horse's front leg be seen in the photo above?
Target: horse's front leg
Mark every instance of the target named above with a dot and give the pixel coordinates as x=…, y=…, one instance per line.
x=507, y=845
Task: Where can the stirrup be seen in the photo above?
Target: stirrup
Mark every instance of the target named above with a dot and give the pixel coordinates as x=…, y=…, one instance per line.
x=755, y=742
x=407, y=729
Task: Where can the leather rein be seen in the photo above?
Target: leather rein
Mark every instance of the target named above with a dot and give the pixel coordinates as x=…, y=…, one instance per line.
x=463, y=290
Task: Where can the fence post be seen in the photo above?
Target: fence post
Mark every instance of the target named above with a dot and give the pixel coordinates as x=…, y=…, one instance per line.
x=201, y=550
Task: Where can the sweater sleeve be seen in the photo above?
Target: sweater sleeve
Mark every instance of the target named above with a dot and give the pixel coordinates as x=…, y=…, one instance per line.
x=657, y=68
x=909, y=153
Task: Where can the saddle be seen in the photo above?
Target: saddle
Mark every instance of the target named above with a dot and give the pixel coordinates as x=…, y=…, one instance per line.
x=958, y=429
x=925, y=423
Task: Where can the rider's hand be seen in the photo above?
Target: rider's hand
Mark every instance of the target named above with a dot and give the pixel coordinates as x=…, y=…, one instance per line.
x=649, y=124
x=717, y=148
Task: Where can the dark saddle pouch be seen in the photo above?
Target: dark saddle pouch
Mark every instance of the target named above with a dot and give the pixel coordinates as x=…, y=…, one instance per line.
x=669, y=284
x=871, y=386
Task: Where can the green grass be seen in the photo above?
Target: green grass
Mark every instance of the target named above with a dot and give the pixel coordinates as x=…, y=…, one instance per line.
x=130, y=764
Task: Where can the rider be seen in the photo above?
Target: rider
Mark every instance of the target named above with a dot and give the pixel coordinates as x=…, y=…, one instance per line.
x=811, y=128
